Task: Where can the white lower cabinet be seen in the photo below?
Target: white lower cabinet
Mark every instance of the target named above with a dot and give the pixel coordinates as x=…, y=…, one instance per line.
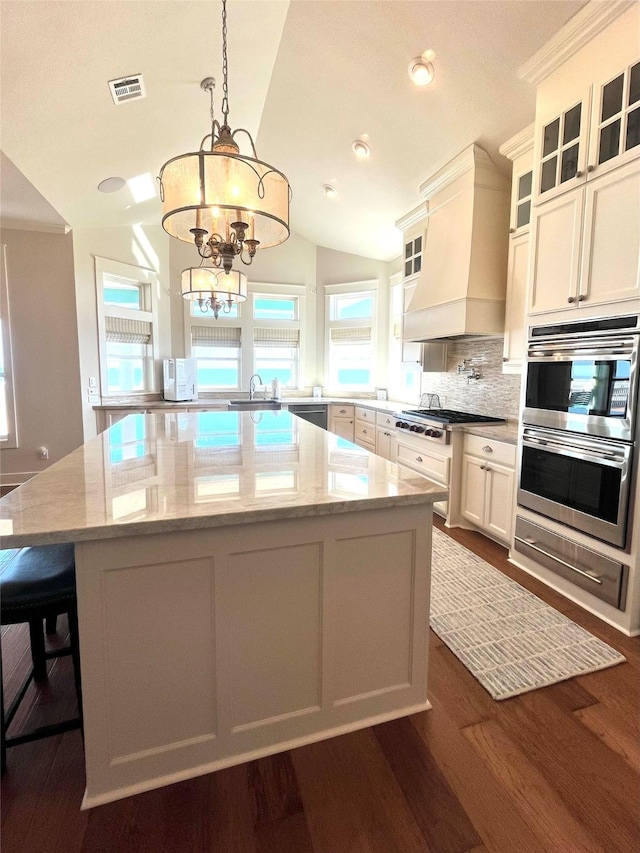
x=365, y=428
x=429, y=459
x=488, y=478
x=341, y=420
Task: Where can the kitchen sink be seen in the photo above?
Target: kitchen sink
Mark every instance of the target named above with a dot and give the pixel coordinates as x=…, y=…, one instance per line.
x=243, y=405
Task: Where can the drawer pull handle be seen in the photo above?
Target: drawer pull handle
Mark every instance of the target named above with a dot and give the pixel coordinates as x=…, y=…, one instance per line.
x=419, y=459
x=487, y=449
x=364, y=432
x=483, y=467
x=531, y=544
x=343, y=411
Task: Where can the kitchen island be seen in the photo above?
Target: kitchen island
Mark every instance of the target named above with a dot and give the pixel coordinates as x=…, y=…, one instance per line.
x=247, y=583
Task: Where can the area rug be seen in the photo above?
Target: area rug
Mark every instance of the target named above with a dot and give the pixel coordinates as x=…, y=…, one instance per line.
x=506, y=636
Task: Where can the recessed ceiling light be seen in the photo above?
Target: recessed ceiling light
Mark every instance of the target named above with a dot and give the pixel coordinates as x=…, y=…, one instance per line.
x=111, y=185
x=361, y=149
x=330, y=191
x=421, y=70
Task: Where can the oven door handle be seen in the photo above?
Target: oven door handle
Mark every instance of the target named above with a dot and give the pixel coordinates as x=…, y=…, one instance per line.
x=605, y=457
x=577, y=350
x=531, y=543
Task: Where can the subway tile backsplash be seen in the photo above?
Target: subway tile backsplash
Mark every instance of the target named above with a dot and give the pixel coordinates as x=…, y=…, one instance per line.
x=496, y=393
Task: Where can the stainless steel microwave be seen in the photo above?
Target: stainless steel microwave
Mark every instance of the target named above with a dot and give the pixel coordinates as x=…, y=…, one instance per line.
x=583, y=377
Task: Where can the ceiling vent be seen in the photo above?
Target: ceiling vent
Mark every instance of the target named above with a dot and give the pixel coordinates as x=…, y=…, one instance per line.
x=128, y=88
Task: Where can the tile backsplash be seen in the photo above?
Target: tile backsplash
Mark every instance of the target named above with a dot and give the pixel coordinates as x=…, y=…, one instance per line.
x=495, y=393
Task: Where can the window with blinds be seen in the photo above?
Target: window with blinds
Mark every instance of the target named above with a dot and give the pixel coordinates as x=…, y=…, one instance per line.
x=127, y=325
x=217, y=349
x=350, y=340
x=264, y=339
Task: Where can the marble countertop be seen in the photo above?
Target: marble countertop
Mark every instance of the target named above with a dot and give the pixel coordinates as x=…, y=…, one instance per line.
x=178, y=471
x=215, y=403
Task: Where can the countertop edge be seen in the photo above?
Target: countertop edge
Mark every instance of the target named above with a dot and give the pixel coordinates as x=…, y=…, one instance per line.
x=204, y=522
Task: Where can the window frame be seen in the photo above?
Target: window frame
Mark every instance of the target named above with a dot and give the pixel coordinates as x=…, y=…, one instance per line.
x=247, y=323
x=360, y=288
x=148, y=280
x=10, y=441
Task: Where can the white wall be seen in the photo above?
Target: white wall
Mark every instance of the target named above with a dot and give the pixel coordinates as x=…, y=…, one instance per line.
x=41, y=288
x=146, y=246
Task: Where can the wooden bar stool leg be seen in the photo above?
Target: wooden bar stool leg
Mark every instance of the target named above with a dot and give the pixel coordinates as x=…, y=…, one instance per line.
x=36, y=636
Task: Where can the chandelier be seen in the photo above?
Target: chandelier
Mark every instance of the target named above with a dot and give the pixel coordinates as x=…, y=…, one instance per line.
x=214, y=289
x=227, y=203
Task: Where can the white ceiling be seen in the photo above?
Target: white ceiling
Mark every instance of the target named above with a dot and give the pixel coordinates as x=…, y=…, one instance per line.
x=306, y=77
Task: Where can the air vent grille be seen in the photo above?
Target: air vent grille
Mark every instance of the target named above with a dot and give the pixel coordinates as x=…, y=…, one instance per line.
x=128, y=88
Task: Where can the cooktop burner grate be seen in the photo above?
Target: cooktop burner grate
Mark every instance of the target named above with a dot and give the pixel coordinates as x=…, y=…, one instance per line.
x=450, y=416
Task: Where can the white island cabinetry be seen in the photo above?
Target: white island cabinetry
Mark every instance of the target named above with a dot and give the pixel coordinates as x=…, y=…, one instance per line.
x=246, y=591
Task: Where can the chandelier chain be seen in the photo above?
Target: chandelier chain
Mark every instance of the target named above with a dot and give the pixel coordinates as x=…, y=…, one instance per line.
x=225, y=84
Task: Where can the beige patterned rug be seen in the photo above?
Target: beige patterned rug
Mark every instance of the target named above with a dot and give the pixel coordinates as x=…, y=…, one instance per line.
x=506, y=636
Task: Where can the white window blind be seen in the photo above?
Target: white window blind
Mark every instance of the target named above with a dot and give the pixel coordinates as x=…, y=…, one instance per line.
x=126, y=331
x=276, y=337
x=356, y=334
x=215, y=336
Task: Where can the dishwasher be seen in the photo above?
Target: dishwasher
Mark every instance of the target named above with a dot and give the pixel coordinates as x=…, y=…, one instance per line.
x=314, y=414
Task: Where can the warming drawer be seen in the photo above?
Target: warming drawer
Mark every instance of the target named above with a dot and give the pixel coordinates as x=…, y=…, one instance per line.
x=599, y=575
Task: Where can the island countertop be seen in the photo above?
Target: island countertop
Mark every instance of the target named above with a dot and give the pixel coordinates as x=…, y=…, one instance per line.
x=174, y=471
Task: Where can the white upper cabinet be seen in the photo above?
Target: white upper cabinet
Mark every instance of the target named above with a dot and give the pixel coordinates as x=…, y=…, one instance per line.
x=585, y=225
x=519, y=149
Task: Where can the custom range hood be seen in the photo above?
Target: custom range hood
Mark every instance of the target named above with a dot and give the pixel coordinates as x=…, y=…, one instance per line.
x=462, y=284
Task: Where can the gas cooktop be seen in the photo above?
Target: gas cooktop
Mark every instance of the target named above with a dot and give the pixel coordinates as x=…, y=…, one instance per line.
x=451, y=416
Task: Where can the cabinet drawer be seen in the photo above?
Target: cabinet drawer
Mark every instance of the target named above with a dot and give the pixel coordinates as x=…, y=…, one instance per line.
x=384, y=419
x=597, y=574
x=366, y=432
x=340, y=411
x=489, y=448
x=363, y=414
x=434, y=467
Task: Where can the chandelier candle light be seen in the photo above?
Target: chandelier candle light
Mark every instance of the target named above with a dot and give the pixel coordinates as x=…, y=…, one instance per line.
x=228, y=204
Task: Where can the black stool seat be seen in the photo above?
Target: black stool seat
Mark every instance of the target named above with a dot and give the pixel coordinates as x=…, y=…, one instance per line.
x=38, y=584
x=37, y=577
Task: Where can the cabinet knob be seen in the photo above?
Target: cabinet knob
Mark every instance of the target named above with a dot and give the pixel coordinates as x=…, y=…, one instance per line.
x=579, y=174
x=419, y=459
x=512, y=230
x=590, y=168
x=571, y=299
x=487, y=449
x=505, y=358
x=582, y=297
x=483, y=467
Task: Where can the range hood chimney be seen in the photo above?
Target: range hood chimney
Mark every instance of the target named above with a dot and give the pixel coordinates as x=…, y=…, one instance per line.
x=462, y=285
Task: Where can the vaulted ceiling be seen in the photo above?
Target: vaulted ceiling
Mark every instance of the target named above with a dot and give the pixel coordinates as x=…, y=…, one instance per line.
x=306, y=78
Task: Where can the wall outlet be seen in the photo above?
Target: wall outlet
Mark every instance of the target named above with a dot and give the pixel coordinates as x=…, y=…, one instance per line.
x=43, y=453
x=93, y=382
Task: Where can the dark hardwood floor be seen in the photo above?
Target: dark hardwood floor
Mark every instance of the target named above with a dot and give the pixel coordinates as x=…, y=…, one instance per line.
x=556, y=769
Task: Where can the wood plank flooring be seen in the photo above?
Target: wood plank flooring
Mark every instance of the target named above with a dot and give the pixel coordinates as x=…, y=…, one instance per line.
x=553, y=770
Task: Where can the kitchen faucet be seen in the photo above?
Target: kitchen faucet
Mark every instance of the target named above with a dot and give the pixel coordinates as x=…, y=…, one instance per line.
x=252, y=384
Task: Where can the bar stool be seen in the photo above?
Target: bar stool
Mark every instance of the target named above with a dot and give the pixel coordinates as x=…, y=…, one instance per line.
x=39, y=584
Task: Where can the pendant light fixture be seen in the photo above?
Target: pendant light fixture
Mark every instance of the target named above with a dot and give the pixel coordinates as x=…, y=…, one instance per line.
x=227, y=203
x=214, y=289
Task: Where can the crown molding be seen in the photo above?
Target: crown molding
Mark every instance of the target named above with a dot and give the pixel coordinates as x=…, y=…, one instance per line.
x=518, y=144
x=575, y=34
x=413, y=217
x=30, y=225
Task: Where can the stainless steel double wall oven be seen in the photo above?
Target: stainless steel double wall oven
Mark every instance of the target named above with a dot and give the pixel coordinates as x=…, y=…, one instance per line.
x=580, y=432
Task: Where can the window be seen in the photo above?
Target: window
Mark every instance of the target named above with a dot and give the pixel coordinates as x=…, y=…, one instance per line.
x=350, y=340
x=217, y=349
x=127, y=325
x=8, y=434
x=413, y=257
x=261, y=335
